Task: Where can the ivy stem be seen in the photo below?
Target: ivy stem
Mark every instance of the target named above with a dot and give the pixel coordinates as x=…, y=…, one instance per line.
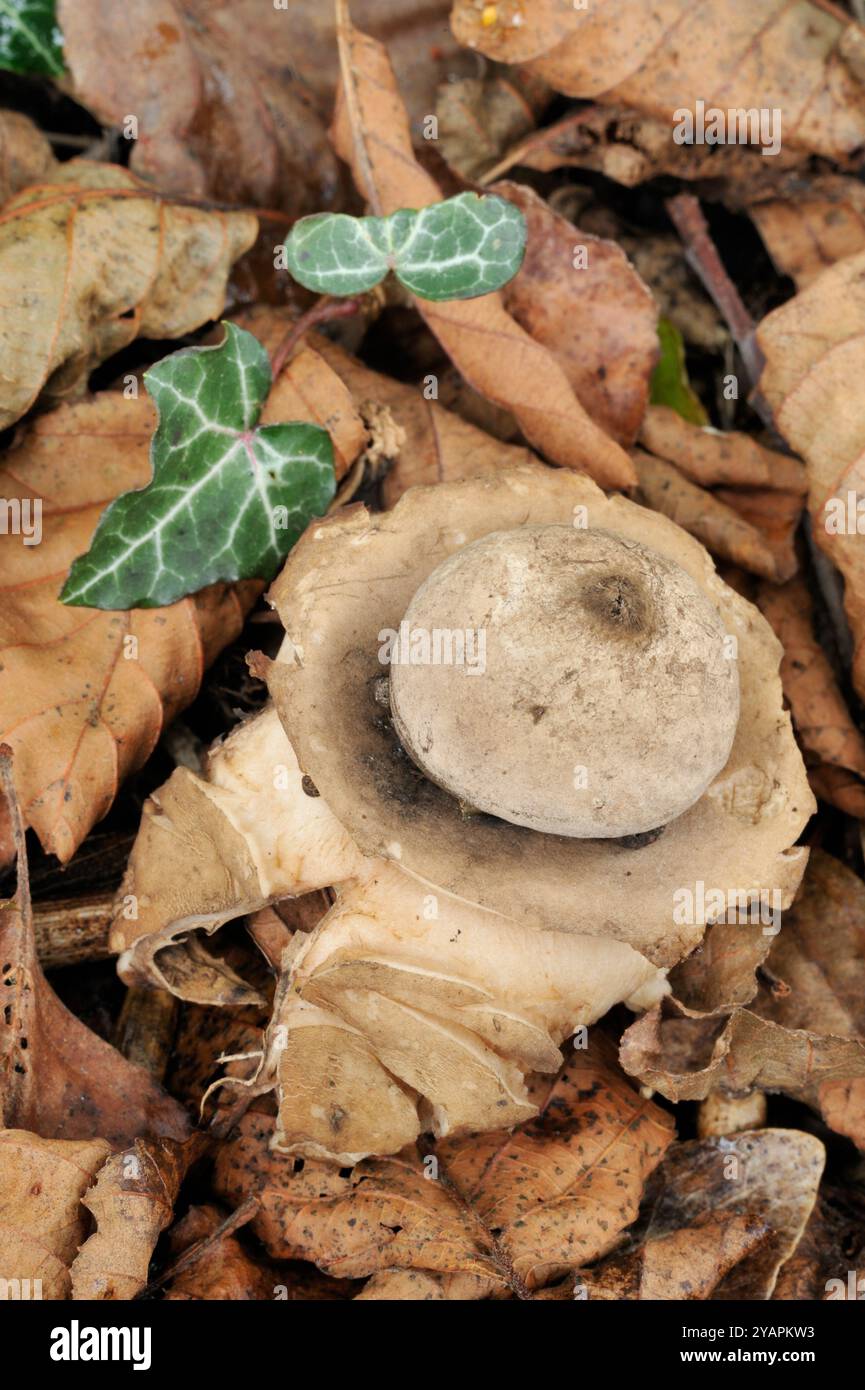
x=321, y=312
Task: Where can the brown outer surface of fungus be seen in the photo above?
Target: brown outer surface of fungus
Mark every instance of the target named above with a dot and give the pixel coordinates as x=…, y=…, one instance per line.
x=354, y=574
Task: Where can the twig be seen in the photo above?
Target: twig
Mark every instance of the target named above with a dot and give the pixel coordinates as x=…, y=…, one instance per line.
x=702, y=256
x=240, y=1217
x=73, y=930
x=321, y=312
x=144, y=1032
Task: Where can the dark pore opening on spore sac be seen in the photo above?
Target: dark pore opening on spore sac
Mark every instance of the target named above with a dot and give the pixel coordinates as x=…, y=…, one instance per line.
x=620, y=605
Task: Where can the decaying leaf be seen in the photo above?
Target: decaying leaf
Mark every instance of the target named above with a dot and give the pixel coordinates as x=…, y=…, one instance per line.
x=116, y=263
x=497, y=357
x=42, y=1220
x=718, y=458
x=492, y=1214
x=579, y=296
x=226, y=1271
x=25, y=155
x=812, y=225
x=723, y=1218
x=57, y=1079
x=619, y=51
x=835, y=746
x=131, y=1201
x=814, y=349
x=481, y=117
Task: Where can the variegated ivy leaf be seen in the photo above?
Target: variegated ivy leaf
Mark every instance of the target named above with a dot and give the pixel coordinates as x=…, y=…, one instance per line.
x=458, y=249
x=30, y=40
x=227, y=500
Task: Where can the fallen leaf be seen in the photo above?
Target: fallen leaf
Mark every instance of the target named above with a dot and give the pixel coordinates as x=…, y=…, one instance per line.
x=481, y=117
x=132, y=1202
x=724, y=1216
x=813, y=226
x=57, y=1078
x=42, y=1221
x=831, y=1247
x=115, y=264
x=226, y=1272
x=511, y=1210
x=814, y=350
x=720, y=529
x=670, y=388
x=25, y=155
x=654, y=57
x=494, y=354
x=713, y=458
x=826, y=730
x=580, y=297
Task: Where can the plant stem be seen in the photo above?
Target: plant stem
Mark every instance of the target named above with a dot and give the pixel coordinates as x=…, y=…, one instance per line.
x=321, y=312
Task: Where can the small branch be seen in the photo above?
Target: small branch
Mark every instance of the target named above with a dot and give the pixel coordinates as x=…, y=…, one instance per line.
x=73, y=930
x=145, y=1029
x=321, y=312
x=702, y=256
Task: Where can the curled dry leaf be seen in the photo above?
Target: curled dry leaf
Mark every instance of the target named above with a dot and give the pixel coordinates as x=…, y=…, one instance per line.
x=58, y=1079
x=25, y=154
x=723, y=1217
x=833, y=743
x=495, y=355
x=832, y=1246
x=42, y=1220
x=581, y=298
x=492, y=1214
x=131, y=1201
x=512, y=959
x=619, y=51
x=116, y=263
x=718, y=458
x=713, y=522
x=814, y=349
x=804, y=1036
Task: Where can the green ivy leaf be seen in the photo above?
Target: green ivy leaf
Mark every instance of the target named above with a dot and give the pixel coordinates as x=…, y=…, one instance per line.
x=227, y=500
x=30, y=40
x=670, y=385
x=458, y=249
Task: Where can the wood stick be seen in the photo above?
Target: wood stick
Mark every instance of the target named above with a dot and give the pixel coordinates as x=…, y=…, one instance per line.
x=145, y=1030
x=70, y=931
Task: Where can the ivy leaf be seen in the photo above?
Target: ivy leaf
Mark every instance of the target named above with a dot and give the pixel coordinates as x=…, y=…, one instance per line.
x=30, y=39
x=670, y=385
x=227, y=500
x=457, y=249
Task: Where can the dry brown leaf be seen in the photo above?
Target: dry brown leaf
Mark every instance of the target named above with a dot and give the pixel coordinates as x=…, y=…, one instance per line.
x=25, y=154
x=775, y=514
x=824, y=724
x=214, y=119
x=42, y=1221
x=813, y=226
x=493, y=353
x=115, y=264
x=630, y=148
x=815, y=353
x=510, y=1210
x=481, y=117
x=599, y=320
x=718, y=458
x=720, y=528
x=724, y=1217
x=831, y=1247
x=654, y=56
x=132, y=1202
x=57, y=1079
x=226, y=1272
